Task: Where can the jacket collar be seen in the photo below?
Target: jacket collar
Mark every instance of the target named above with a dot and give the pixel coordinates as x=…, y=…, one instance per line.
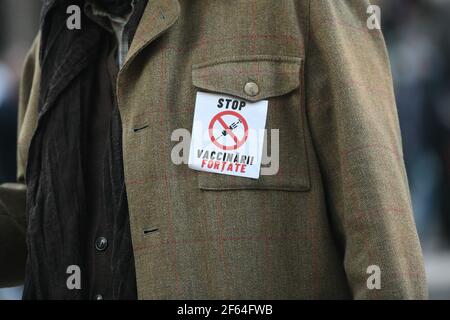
x=158, y=16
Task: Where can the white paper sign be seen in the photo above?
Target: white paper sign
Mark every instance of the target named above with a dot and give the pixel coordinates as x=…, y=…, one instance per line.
x=228, y=135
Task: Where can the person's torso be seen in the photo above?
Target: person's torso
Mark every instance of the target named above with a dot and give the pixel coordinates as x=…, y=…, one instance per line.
x=203, y=235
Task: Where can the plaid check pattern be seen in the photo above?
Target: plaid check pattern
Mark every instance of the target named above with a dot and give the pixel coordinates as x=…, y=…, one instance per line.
x=340, y=202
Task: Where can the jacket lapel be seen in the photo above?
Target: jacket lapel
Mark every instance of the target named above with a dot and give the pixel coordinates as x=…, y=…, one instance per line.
x=158, y=16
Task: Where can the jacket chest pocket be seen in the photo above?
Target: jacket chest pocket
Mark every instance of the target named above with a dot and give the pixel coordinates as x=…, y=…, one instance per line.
x=279, y=80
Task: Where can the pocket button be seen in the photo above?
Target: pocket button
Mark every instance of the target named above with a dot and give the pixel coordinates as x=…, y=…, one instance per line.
x=251, y=89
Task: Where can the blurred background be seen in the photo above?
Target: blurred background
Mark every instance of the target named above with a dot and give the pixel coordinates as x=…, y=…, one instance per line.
x=418, y=38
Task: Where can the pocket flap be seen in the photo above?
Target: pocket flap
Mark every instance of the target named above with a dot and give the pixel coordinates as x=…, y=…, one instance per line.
x=251, y=78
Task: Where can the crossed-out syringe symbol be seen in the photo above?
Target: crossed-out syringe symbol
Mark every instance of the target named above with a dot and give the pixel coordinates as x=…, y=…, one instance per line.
x=232, y=127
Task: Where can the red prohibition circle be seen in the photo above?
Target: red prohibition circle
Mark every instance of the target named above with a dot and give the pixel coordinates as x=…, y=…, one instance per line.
x=237, y=142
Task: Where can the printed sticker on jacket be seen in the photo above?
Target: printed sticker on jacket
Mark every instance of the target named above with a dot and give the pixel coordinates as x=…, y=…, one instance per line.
x=228, y=135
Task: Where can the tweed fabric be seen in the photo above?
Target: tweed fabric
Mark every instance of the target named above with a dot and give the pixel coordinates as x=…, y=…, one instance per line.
x=340, y=201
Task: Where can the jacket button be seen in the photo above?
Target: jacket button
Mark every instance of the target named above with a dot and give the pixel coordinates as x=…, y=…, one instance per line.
x=98, y=297
x=101, y=243
x=251, y=89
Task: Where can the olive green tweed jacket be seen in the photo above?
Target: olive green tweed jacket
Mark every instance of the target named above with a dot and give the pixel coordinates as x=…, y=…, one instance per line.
x=339, y=202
